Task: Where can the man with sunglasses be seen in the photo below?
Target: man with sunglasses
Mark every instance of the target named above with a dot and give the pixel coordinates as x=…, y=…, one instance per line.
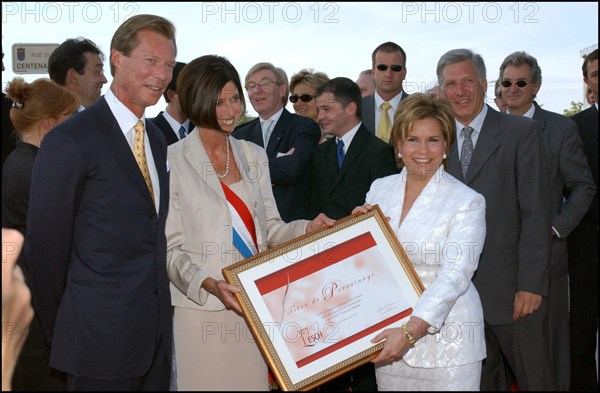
x=389, y=70
x=569, y=175
x=289, y=139
x=78, y=65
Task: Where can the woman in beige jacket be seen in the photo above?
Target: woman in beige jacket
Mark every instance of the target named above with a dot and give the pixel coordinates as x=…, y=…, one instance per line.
x=213, y=344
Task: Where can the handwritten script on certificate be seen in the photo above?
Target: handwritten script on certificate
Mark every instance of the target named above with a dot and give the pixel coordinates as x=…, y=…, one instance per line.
x=322, y=303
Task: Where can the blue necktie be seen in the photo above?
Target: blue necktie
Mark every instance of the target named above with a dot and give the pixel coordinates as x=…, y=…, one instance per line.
x=340, y=152
x=181, y=132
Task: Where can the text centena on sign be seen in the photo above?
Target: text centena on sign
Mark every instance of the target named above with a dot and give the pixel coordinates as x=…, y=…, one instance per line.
x=31, y=58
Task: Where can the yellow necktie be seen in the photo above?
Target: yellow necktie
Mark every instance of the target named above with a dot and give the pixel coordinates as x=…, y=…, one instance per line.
x=384, y=127
x=140, y=155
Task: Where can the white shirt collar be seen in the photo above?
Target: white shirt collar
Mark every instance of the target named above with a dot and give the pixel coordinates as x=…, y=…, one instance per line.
x=476, y=124
x=529, y=112
x=122, y=114
x=275, y=117
x=393, y=102
x=348, y=136
x=175, y=125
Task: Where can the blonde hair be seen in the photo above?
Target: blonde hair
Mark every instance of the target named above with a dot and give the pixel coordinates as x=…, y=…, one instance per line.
x=310, y=78
x=38, y=100
x=419, y=106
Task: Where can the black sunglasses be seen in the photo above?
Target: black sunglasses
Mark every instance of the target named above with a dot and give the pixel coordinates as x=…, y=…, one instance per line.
x=518, y=83
x=303, y=97
x=395, y=67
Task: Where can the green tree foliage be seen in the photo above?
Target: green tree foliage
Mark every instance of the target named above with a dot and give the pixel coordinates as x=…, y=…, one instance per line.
x=575, y=108
x=244, y=118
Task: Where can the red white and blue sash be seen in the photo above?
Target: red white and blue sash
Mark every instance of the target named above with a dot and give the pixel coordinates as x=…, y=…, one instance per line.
x=244, y=232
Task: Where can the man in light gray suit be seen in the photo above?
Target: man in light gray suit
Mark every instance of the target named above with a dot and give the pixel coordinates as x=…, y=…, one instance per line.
x=520, y=80
x=502, y=157
x=389, y=70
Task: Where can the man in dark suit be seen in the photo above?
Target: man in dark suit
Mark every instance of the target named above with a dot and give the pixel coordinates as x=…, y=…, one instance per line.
x=520, y=80
x=583, y=253
x=173, y=123
x=96, y=225
x=339, y=184
x=389, y=71
x=503, y=159
x=289, y=139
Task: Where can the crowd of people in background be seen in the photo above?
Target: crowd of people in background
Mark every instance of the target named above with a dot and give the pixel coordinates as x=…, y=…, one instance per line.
x=110, y=280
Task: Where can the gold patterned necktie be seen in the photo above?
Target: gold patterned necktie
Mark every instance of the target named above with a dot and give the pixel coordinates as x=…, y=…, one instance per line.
x=139, y=152
x=384, y=127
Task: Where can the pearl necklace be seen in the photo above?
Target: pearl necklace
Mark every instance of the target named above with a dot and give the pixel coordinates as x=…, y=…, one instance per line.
x=224, y=175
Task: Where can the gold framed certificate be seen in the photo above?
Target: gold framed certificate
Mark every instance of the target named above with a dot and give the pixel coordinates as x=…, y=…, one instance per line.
x=314, y=303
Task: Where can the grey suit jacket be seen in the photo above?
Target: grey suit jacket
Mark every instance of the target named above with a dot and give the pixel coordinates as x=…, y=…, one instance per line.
x=568, y=171
x=368, y=111
x=508, y=168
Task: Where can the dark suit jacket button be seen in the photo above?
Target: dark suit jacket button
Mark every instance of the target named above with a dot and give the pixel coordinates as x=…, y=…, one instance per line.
x=156, y=291
x=152, y=216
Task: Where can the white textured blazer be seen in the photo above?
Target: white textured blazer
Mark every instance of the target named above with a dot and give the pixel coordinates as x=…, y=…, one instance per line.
x=442, y=235
x=198, y=228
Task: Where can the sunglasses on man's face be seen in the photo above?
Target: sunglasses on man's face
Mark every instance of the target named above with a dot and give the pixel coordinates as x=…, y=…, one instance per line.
x=395, y=67
x=518, y=83
x=304, y=97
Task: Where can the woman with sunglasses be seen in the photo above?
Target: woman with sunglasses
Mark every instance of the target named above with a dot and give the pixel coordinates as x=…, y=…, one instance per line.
x=303, y=87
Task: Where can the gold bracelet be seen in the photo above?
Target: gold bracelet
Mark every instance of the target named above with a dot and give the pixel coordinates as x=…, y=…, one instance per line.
x=408, y=334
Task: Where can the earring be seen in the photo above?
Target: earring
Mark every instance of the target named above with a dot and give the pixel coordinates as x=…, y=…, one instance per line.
x=399, y=155
x=444, y=156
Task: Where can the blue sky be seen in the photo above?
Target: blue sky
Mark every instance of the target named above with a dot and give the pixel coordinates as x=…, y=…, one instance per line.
x=335, y=38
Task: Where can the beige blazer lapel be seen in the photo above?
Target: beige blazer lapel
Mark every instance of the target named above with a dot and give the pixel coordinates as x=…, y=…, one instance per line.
x=196, y=155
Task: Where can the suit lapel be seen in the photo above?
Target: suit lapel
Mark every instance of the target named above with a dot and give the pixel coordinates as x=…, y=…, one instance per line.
x=166, y=129
x=539, y=115
x=487, y=143
x=160, y=159
x=354, y=151
x=422, y=207
x=397, y=202
x=121, y=151
x=278, y=133
x=369, y=113
x=454, y=163
x=195, y=154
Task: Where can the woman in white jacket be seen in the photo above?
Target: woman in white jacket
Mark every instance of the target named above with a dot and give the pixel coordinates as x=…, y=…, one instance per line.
x=441, y=225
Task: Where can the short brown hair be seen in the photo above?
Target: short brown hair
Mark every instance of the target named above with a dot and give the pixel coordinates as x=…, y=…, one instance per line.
x=388, y=47
x=199, y=86
x=419, y=106
x=125, y=38
x=38, y=100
